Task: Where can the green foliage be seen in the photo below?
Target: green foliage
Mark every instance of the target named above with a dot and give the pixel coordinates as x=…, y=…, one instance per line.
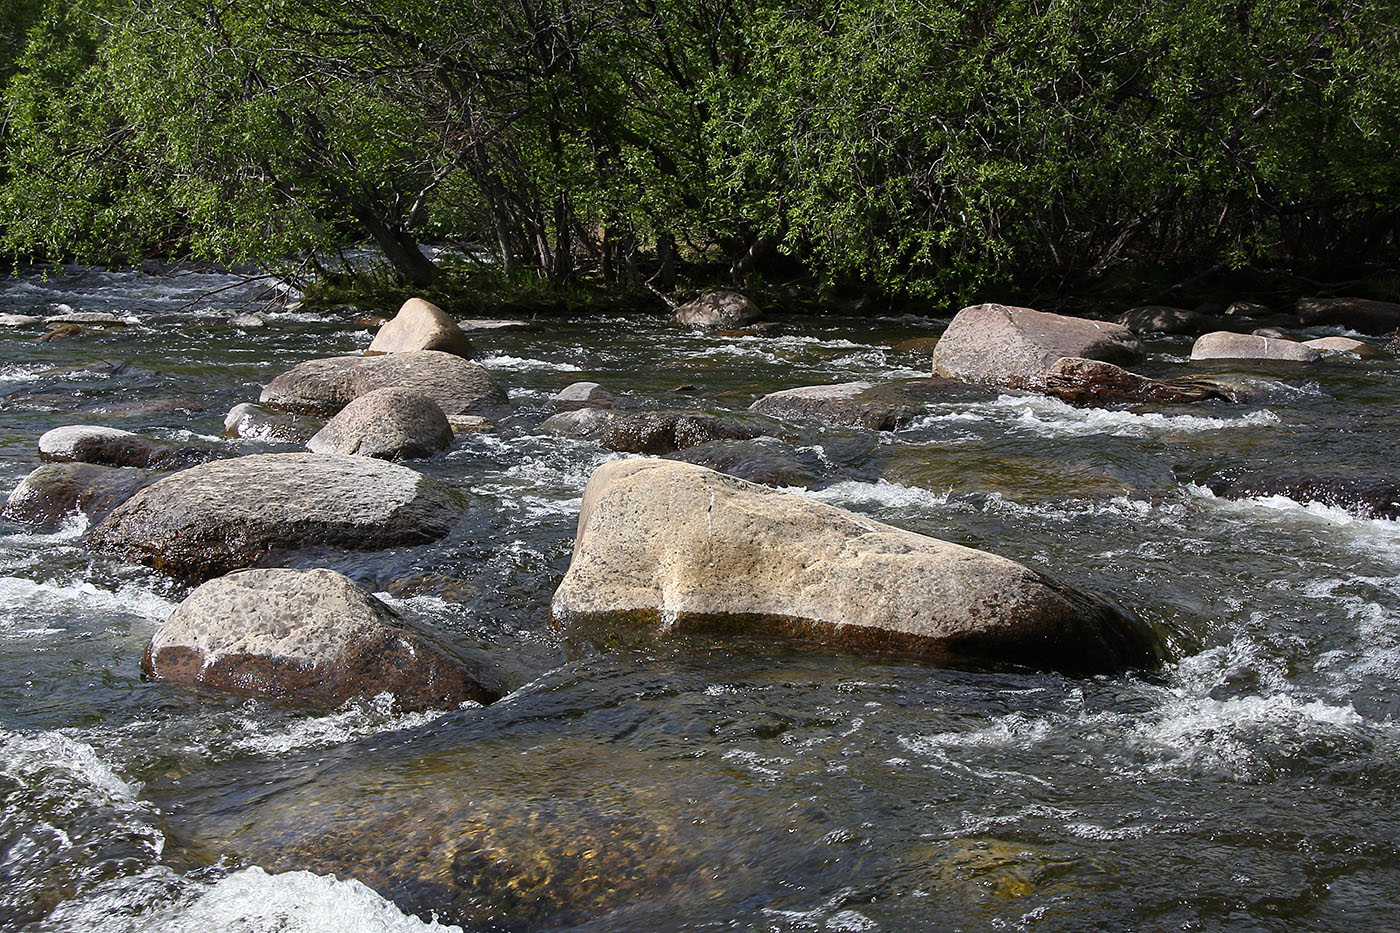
x=922, y=148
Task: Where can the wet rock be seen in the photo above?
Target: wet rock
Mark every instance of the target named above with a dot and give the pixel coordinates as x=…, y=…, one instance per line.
x=717, y=310
x=763, y=460
x=255, y=423
x=391, y=424
x=150, y=406
x=420, y=325
x=1373, y=497
x=1093, y=382
x=62, y=332
x=1247, y=309
x=1392, y=342
x=221, y=516
x=1344, y=345
x=481, y=324
x=586, y=423
x=51, y=493
x=87, y=443
x=469, y=424
x=1163, y=319
x=582, y=395
x=328, y=385
x=1278, y=333
x=1223, y=345
x=848, y=404
x=247, y=320
x=916, y=346
x=19, y=320
x=662, y=432
x=1015, y=347
x=93, y=318
x=1361, y=314
x=305, y=636
x=666, y=547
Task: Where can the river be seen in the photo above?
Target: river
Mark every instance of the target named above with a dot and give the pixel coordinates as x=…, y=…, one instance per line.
x=1251, y=783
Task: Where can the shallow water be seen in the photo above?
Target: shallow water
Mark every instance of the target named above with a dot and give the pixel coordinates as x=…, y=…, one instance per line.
x=1251, y=784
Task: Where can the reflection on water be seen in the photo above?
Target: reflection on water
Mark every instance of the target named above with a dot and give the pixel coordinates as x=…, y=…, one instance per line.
x=1250, y=784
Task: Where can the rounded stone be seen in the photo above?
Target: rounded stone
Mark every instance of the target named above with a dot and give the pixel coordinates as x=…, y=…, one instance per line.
x=582, y=395
x=328, y=385
x=306, y=636
x=1223, y=345
x=221, y=516
x=666, y=547
x=847, y=404
x=87, y=443
x=253, y=422
x=1164, y=319
x=420, y=325
x=391, y=424
x=720, y=309
x=661, y=432
x=56, y=490
x=994, y=344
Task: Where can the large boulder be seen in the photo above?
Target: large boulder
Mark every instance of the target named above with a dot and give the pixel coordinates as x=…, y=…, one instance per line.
x=391, y=424
x=848, y=404
x=994, y=344
x=306, y=636
x=208, y=520
x=663, y=432
x=721, y=310
x=668, y=547
x=327, y=385
x=1361, y=314
x=420, y=325
x=1164, y=319
x=88, y=443
x=51, y=493
x=1223, y=345
x=1094, y=382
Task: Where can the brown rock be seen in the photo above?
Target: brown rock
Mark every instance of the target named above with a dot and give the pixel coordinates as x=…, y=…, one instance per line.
x=252, y=422
x=420, y=325
x=306, y=636
x=662, y=432
x=916, y=346
x=667, y=548
x=1162, y=319
x=391, y=424
x=1345, y=346
x=1223, y=345
x=1094, y=382
x=846, y=404
x=994, y=344
x=56, y=490
x=1361, y=314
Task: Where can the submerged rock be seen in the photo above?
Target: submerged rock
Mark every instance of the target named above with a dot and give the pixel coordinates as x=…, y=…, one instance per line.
x=1374, y=497
x=328, y=385
x=1361, y=314
x=420, y=325
x=51, y=493
x=1223, y=345
x=210, y=519
x=667, y=547
x=253, y=422
x=763, y=460
x=1345, y=346
x=306, y=636
x=916, y=346
x=721, y=310
x=1015, y=347
x=391, y=424
x=1163, y=319
x=87, y=443
x=662, y=432
x=1093, y=382
x=848, y=404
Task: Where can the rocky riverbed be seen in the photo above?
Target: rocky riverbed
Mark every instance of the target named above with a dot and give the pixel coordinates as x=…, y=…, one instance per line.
x=1239, y=773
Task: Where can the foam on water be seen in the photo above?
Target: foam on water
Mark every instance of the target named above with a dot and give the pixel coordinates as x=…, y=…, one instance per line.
x=1380, y=536
x=18, y=594
x=1052, y=418
x=250, y=900
x=503, y=361
x=356, y=719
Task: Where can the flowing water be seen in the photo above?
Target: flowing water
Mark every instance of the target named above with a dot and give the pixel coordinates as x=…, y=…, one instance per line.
x=1252, y=783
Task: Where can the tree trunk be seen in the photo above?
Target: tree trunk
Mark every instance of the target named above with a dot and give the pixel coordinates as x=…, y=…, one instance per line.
x=666, y=256
x=399, y=247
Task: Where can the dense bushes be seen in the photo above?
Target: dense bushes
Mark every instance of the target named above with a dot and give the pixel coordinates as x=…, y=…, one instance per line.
x=920, y=148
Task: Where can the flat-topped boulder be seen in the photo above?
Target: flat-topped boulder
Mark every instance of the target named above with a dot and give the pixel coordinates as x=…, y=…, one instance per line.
x=1361, y=314
x=1094, y=382
x=1344, y=346
x=662, y=432
x=391, y=424
x=1224, y=345
x=420, y=325
x=1164, y=319
x=994, y=344
x=221, y=516
x=327, y=385
x=717, y=310
x=666, y=547
x=90, y=443
x=849, y=404
x=304, y=636
x=55, y=491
